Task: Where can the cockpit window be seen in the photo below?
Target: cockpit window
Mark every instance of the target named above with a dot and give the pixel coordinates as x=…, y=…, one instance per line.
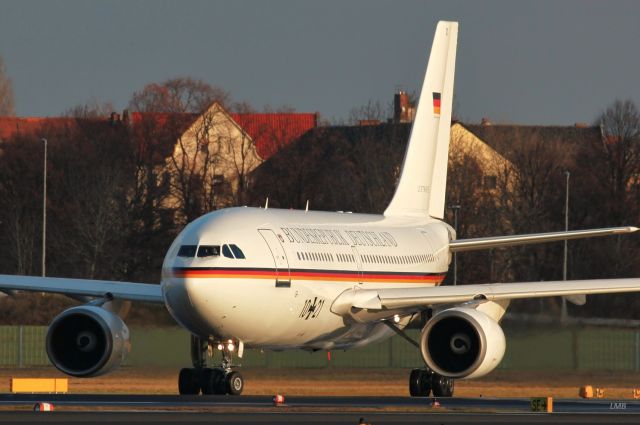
x=226, y=251
x=237, y=252
x=187, y=251
x=208, y=250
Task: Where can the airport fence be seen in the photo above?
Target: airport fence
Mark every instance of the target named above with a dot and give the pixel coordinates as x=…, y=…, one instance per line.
x=576, y=349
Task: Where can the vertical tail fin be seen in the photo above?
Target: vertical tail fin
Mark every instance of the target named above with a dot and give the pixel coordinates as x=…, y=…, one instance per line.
x=423, y=179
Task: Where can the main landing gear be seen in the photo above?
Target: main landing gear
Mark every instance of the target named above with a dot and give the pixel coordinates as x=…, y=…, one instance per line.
x=425, y=381
x=200, y=378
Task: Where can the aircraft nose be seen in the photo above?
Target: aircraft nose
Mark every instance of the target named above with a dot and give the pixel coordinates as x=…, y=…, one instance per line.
x=178, y=293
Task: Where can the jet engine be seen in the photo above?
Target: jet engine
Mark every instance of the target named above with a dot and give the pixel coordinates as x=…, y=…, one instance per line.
x=462, y=342
x=87, y=341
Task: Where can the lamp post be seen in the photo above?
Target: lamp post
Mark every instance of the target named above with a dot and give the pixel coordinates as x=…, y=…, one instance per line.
x=455, y=209
x=44, y=211
x=563, y=312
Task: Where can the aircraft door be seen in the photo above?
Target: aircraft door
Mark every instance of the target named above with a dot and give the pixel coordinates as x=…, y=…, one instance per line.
x=283, y=277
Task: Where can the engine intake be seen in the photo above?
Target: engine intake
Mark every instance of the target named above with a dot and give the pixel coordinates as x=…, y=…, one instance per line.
x=87, y=341
x=462, y=342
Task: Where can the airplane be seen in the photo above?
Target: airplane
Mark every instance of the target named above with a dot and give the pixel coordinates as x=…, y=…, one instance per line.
x=241, y=278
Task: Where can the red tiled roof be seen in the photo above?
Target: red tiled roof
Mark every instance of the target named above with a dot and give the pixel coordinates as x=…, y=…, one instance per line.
x=270, y=132
x=12, y=126
x=182, y=121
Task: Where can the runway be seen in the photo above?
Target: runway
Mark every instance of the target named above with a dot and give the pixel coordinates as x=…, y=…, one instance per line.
x=277, y=417
x=232, y=403
x=169, y=409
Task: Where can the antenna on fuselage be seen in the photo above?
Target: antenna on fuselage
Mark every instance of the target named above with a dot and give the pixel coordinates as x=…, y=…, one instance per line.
x=306, y=209
x=266, y=204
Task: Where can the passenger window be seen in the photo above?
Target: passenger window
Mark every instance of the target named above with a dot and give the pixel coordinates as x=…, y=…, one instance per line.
x=208, y=250
x=237, y=252
x=226, y=251
x=187, y=251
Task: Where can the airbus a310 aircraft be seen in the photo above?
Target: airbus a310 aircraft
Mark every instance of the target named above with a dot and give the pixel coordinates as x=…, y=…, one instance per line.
x=279, y=279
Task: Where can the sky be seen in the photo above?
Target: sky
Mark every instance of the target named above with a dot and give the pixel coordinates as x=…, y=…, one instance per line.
x=526, y=62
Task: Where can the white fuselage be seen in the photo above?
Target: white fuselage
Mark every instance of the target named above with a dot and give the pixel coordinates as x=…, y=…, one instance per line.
x=295, y=265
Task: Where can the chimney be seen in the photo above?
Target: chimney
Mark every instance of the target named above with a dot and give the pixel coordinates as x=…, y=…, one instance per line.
x=581, y=125
x=402, y=109
x=485, y=122
x=125, y=116
x=114, y=118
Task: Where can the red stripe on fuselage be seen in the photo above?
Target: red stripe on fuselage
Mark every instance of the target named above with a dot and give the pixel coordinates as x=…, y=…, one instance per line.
x=309, y=275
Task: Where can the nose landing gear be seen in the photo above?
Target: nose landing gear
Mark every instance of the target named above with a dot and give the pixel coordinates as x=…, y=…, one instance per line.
x=218, y=380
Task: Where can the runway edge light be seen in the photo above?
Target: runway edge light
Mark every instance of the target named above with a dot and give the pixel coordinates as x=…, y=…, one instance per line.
x=278, y=400
x=43, y=407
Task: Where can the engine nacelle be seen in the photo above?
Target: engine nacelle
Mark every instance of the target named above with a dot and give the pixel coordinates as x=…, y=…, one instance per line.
x=462, y=342
x=87, y=341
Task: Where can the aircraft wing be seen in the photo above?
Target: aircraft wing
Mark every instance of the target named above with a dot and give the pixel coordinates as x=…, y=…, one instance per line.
x=388, y=299
x=460, y=245
x=83, y=287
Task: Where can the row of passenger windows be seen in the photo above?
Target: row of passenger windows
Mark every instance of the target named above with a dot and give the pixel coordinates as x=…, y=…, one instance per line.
x=367, y=258
x=322, y=256
x=229, y=251
x=398, y=259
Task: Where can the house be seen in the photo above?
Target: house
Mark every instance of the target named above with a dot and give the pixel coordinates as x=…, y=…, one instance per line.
x=204, y=158
x=207, y=158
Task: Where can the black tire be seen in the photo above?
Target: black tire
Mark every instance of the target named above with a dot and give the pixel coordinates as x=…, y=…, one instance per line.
x=419, y=383
x=188, y=382
x=212, y=381
x=235, y=383
x=442, y=386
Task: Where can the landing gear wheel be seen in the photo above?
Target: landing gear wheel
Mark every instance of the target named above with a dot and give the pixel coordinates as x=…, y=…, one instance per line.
x=442, y=386
x=212, y=381
x=188, y=382
x=419, y=383
x=235, y=383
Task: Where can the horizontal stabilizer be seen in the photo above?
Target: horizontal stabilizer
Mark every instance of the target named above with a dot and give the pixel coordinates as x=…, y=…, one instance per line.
x=501, y=241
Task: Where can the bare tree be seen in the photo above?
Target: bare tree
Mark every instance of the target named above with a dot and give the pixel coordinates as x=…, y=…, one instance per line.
x=194, y=167
x=371, y=111
x=181, y=95
x=620, y=128
x=94, y=109
x=20, y=182
x=89, y=203
x=6, y=92
x=243, y=158
x=529, y=196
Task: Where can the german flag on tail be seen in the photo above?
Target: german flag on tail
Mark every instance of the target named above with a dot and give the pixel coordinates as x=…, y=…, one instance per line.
x=436, y=103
